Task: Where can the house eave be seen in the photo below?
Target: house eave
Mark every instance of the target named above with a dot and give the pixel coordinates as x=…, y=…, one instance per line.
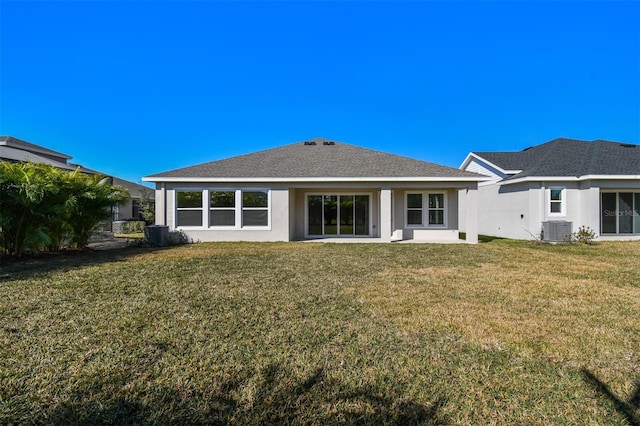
x=570, y=178
x=312, y=179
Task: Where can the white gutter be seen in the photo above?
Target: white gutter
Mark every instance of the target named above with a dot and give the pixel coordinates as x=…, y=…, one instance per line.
x=314, y=179
x=570, y=178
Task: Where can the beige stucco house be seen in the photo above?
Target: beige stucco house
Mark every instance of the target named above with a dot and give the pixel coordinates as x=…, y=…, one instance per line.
x=317, y=189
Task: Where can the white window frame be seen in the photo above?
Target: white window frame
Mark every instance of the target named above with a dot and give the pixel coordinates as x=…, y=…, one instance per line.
x=562, y=201
x=425, y=209
x=407, y=209
x=241, y=208
x=206, y=209
x=234, y=208
x=202, y=208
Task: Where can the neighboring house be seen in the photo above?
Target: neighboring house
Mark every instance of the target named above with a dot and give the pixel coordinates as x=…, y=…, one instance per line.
x=560, y=185
x=132, y=209
x=16, y=150
x=317, y=189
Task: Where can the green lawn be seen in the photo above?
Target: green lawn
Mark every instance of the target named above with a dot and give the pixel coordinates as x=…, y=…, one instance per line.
x=502, y=332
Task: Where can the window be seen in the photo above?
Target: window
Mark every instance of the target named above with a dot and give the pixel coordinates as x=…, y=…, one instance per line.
x=414, y=209
x=436, y=209
x=557, y=201
x=620, y=213
x=136, y=211
x=420, y=215
x=222, y=208
x=189, y=208
x=255, y=208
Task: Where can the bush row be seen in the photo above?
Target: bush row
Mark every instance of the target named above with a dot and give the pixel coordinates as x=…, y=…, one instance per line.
x=46, y=208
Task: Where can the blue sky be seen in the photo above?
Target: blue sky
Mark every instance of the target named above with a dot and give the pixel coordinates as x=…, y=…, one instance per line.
x=135, y=88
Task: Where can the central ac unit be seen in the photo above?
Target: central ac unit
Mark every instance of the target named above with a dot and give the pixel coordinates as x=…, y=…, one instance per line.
x=556, y=231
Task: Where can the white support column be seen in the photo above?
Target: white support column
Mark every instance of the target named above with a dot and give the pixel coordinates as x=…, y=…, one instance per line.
x=591, y=211
x=472, y=214
x=160, y=204
x=385, y=215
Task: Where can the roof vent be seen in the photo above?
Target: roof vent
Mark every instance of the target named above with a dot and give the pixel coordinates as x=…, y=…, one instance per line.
x=309, y=143
x=627, y=145
x=328, y=143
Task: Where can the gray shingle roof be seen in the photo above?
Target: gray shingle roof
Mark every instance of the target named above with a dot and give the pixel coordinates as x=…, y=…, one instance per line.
x=569, y=157
x=316, y=158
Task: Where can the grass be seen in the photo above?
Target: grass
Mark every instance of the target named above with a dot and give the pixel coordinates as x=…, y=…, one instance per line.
x=502, y=332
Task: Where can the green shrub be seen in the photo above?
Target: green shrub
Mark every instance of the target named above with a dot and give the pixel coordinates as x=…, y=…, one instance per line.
x=177, y=238
x=585, y=235
x=42, y=207
x=133, y=227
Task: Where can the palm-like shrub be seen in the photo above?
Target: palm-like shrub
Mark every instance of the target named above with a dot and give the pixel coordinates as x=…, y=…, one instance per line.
x=90, y=202
x=42, y=207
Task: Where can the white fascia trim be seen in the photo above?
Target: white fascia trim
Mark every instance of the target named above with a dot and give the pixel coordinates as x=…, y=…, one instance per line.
x=571, y=178
x=611, y=177
x=314, y=179
x=471, y=155
x=467, y=160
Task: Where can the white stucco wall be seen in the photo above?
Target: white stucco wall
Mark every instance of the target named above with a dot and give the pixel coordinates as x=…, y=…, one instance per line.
x=504, y=214
x=518, y=211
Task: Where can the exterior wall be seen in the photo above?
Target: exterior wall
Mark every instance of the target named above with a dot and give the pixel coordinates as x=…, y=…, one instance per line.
x=470, y=219
x=508, y=212
x=298, y=210
x=589, y=207
x=574, y=213
x=517, y=211
x=125, y=211
x=449, y=232
x=279, y=210
x=293, y=223
x=288, y=211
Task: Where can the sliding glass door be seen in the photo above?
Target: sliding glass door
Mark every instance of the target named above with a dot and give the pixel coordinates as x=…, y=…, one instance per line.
x=338, y=215
x=620, y=213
